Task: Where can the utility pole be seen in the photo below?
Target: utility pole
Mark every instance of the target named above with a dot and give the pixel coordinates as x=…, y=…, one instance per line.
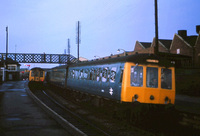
x=6, y=75
x=78, y=38
x=68, y=58
x=156, y=50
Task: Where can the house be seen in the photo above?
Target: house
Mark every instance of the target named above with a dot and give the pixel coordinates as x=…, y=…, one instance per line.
x=13, y=70
x=147, y=47
x=184, y=49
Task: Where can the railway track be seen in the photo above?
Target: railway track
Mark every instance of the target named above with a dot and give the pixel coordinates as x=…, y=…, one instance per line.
x=79, y=125
x=189, y=124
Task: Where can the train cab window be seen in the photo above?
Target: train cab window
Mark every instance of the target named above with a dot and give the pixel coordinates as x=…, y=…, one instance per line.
x=32, y=73
x=113, y=74
x=166, y=78
x=41, y=73
x=104, y=75
x=152, y=77
x=136, y=76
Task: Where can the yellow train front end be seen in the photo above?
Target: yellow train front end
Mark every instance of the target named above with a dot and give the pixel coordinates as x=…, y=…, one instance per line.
x=148, y=83
x=37, y=75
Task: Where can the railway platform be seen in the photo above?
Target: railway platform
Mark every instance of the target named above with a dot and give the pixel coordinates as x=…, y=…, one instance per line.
x=20, y=115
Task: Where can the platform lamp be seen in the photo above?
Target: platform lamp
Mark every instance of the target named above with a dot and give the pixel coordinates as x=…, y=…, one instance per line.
x=96, y=57
x=122, y=50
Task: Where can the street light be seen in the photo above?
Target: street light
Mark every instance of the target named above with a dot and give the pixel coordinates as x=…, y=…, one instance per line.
x=122, y=50
x=96, y=57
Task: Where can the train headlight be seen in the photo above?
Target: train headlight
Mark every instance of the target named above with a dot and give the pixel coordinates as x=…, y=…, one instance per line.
x=166, y=100
x=152, y=97
x=135, y=98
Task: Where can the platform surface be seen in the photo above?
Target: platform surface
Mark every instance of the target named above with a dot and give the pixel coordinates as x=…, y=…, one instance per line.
x=21, y=116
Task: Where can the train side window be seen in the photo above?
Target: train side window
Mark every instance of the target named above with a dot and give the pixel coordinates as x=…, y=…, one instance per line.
x=91, y=74
x=70, y=74
x=81, y=74
x=136, y=76
x=113, y=74
x=104, y=75
x=95, y=75
x=152, y=77
x=166, y=78
x=98, y=74
x=85, y=74
x=76, y=74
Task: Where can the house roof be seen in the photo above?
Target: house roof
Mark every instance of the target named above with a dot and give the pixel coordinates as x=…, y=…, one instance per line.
x=191, y=40
x=166, y=43
x=146, y=44
x=10, y=61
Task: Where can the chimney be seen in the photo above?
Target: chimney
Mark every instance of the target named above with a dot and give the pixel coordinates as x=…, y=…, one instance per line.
x=182, y=33
x=198, y=29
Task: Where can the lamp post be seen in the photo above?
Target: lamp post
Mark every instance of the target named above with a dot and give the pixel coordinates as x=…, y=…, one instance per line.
x=122, y=50
x=96, y=57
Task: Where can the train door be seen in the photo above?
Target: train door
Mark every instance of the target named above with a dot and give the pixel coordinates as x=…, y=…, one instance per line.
x=113, y=87
x=104, y=81
x=116, y=84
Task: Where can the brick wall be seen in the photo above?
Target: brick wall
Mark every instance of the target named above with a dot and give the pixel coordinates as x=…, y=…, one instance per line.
x=179, y=45
x=197, y=51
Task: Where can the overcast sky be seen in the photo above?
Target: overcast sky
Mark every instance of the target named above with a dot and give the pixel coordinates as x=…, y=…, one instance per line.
x=37, y=26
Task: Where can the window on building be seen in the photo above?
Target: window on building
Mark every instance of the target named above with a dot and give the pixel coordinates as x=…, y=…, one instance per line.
x=11, y=67
x=178, y=51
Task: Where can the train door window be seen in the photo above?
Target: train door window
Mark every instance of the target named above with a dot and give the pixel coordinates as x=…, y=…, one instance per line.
x=166, y=78
x=121, y=75
x=152, y=77
x=136, y=76
x=104, y=75
x=113, y=74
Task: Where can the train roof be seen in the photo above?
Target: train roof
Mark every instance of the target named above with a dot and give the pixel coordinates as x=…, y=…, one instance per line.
x=136, y=58
x=37, y=68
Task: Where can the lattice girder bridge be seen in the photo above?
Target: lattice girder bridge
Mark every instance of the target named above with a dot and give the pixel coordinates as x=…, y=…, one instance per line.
x=38, y=58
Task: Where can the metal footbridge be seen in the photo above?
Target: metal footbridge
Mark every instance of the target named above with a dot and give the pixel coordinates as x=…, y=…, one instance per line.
x=38, y=58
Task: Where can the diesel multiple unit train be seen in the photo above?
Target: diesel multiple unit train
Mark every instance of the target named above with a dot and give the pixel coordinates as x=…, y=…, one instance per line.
x=143, y=78
x=37, y=75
